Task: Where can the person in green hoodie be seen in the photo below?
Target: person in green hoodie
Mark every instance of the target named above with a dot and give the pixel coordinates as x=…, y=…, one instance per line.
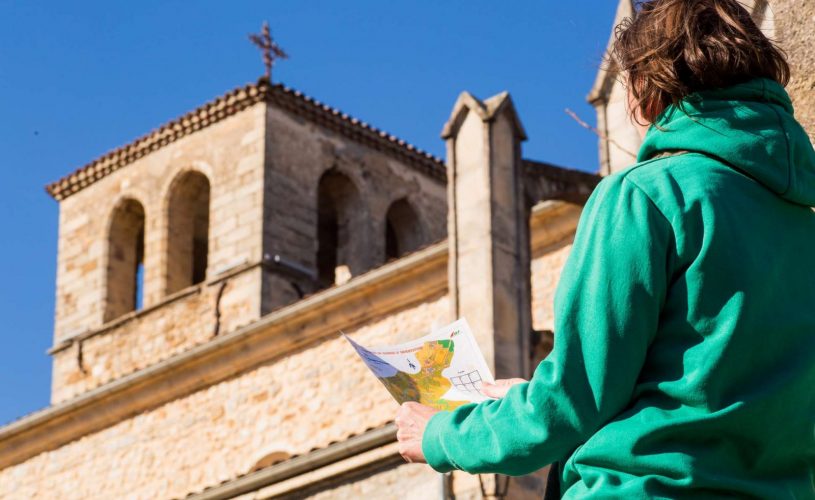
x=684, y=354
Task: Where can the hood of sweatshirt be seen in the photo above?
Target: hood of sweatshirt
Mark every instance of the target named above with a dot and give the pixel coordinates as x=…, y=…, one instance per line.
x=750, y=127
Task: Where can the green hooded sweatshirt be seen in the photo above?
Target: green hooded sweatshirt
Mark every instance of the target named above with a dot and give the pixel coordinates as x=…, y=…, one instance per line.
x=684, y=356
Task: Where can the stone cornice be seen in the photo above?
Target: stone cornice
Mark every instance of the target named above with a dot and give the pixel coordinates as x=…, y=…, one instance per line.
x=231, y=103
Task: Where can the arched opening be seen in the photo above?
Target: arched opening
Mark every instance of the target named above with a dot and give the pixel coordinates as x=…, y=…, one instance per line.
x=337, y=200
x=187, y=231
x=125, y=271
x=403, y=231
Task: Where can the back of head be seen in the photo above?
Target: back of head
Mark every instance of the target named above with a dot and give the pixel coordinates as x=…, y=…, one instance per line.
x=673, y=48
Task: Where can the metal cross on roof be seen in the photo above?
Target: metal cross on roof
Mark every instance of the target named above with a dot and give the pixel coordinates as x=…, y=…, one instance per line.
x=271, y=50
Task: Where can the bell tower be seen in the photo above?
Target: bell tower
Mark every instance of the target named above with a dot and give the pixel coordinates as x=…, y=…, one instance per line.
x=238, y=208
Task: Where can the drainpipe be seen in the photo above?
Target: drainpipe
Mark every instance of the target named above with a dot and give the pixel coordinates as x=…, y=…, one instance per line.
x=446, y=486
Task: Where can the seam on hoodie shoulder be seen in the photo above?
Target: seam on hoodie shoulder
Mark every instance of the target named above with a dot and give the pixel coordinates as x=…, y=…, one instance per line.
x=653, y=203
x=672, y=253
x=645, y=163
x=671, y=261
x=639, y=165
x=627, y=173
x=787, y=144
x=786, y=136
x=625, y=176
x=648, y=197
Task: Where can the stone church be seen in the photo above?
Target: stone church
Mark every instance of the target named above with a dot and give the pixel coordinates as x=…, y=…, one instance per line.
x=206, y=269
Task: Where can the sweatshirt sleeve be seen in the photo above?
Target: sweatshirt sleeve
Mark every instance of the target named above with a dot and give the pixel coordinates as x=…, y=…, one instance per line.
x=607, y=306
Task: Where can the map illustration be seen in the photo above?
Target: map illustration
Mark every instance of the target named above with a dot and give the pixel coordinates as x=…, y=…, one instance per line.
x=443, y=370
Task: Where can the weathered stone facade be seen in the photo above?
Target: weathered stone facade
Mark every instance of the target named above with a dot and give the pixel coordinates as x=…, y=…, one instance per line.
x=792, y=24
x=304, y=400
x=234, y=165
x=260, y=170
x=205, y=270
x=284, y=407
x=302, y=157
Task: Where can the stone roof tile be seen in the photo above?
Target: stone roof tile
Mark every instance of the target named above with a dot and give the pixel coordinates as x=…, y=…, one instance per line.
x=231, y=103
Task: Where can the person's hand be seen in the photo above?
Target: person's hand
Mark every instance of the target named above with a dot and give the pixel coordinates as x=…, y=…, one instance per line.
x=411, y=420
x=500, y=387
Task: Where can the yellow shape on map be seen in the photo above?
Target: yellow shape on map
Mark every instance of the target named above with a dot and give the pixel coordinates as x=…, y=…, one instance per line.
x=428, y=385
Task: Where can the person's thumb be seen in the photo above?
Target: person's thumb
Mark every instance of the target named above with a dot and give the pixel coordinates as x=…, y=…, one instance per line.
x=500, y=387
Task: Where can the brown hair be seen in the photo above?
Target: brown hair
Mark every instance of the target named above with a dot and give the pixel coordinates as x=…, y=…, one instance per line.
x=673, y=48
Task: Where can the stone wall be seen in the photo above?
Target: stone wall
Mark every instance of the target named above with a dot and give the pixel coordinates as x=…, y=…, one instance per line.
x=794, y=21
x=233, y=165
x=263, y=167
x=298, y=153
x=186, y=319
x=546, y=266
x=552, y=228
x=304, y=400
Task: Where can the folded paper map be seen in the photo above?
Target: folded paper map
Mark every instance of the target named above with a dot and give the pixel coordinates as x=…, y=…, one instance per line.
x=443, y=370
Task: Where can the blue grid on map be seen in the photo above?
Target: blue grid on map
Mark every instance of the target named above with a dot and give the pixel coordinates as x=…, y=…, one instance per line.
x=469, y=382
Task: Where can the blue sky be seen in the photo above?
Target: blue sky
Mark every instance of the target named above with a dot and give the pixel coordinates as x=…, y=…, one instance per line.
x=78, y=79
